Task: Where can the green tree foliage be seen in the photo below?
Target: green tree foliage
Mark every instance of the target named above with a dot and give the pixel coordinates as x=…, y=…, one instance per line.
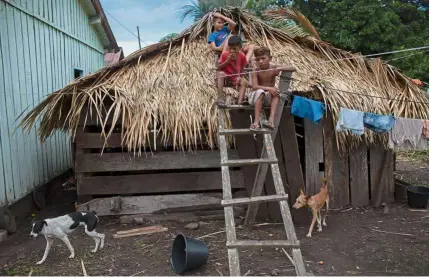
x=374, y=26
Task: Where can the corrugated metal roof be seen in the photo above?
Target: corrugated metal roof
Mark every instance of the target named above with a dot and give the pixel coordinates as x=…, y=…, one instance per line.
x=113, y=57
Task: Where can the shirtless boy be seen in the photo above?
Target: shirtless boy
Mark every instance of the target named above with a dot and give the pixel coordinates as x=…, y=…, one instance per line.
x=218, y=39
x=263, y=83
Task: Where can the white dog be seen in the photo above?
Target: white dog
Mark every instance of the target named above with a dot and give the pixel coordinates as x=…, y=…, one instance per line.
x=62, y=226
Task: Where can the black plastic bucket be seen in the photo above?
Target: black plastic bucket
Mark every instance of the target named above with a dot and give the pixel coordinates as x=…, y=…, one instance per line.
x=417, y=196
x=188, y=254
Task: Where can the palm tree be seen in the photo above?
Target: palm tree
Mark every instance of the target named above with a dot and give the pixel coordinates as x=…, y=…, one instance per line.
x=198, y=8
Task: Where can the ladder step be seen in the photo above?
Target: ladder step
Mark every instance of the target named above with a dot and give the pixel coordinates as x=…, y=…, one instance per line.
x=243, y=162
x=254, y=200
x=243, y=131
x=262, y=243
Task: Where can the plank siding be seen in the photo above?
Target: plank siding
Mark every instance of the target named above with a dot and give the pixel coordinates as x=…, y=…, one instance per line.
x=313, y=134
x=54, y=37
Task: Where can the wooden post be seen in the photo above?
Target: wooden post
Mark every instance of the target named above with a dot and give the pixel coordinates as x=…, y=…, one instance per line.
x=313, y=156
x=328, y=151
x=292, y=162
x=380, y=164
x=262, y=169
x=358, y=165
x=336, y=167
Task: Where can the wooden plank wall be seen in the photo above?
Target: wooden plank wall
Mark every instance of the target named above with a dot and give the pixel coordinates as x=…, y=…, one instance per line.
x=313, y=156
x=52, y=40
x=118, y=171
x=359, y=186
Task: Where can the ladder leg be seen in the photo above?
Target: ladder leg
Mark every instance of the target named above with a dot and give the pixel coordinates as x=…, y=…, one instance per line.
x=284, y=207
x=233, y=254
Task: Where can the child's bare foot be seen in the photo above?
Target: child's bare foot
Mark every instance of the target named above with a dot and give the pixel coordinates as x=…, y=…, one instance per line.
x=269, y=125
x=254, y=127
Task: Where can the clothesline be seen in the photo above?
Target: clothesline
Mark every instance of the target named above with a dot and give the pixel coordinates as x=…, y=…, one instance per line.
x=404, y=133
x=329, y=105
x=361, y=94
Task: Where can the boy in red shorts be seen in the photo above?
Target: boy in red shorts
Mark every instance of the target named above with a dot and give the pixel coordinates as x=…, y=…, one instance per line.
x=231, y=67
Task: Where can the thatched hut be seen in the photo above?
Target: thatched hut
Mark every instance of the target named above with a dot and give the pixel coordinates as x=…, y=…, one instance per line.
x=160, y=99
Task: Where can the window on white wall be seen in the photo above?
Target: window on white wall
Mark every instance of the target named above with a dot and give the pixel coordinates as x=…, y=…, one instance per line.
x=77, y=73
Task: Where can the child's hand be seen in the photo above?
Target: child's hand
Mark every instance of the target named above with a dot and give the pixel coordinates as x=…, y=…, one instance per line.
x=274, y=91
x=231, y=56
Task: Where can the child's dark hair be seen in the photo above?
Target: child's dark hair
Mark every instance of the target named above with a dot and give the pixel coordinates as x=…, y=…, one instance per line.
x=234, y=41
x=263, y=50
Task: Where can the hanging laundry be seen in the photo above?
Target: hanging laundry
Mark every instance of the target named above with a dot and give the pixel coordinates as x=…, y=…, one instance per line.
x=425, y=132
x=305, y=108
x=378, y=123
x=406, y=134
x=351, y=120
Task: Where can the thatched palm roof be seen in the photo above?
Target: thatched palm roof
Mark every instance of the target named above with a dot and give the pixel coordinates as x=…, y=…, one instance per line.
x=173, y=82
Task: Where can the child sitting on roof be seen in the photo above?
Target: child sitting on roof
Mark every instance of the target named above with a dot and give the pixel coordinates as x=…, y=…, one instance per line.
x=231, y=66
x=218, y=39
x=263, y=83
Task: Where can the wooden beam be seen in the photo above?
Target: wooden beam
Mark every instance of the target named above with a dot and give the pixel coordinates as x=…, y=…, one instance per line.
x=150, y=204
x=263, y=169
x=313, y=134
x=358, y=167
x=96, y=140
x=328, y=151
x=378, y=170
x=340, y=168
x=156, y=183
x=391, y=177
x=292, y=160
x=95, y=162
x=95, y=20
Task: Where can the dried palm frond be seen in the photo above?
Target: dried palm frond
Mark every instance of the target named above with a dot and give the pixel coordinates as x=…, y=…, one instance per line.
x=172, y=84
x=293, y=14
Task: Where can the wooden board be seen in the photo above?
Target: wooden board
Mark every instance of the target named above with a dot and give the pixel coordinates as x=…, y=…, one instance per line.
x=336, y=168
x=157, y=183
x=313, y=134
x=391, y=176
x=158, y=161
x=150, y=204
x=358, y=165
x=292, y=163
x=378, y=170
x=96, y=140
x=328, y=152
x=340, y=179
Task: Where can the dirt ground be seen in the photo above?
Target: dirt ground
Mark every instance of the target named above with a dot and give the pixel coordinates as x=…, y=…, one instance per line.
x=357, y=242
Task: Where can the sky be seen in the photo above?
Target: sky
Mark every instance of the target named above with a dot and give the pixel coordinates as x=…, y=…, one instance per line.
x=155, y=18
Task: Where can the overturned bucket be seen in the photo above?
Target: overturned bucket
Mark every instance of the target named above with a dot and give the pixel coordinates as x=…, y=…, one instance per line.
x=188, y=254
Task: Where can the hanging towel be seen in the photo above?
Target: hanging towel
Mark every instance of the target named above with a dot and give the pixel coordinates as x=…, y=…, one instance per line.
x=305, y=108
x=425, y=132
x=352, y=120
x=406, y=134
x=378, y=123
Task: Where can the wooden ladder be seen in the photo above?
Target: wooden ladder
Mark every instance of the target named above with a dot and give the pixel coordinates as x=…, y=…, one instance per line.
x=268, y=157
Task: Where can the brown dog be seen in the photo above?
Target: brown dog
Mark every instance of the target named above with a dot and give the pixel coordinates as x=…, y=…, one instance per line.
x=315, y=203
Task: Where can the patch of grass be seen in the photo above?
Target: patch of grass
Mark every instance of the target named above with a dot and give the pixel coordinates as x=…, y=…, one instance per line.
x=421, y=156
